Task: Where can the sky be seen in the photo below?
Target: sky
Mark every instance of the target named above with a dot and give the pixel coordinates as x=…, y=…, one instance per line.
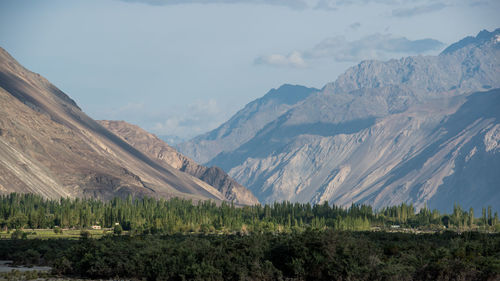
x=183, y=67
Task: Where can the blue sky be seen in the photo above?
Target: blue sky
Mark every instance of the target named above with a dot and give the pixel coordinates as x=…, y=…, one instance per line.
x=183, y=67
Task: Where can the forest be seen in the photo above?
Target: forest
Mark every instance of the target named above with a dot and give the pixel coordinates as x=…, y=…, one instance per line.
x=157, y=239
x=160, y=216
x=308, y=255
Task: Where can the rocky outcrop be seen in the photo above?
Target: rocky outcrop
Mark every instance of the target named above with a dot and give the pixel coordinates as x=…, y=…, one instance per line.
x=48, y=146
x=152, y=146
x=384, y=133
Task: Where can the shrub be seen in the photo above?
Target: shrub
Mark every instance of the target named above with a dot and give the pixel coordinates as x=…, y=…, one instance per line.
x=19, y=234
x=85, y=234
x=58, y=230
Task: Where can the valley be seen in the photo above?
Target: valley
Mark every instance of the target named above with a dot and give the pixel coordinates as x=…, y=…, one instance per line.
x=375, y=155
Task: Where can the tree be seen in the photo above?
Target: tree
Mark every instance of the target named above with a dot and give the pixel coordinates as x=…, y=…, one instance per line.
x=18, y=221
x=446, y=221
x=471, y=217
x=171, y=216
x=484, y=218
x=490, y=217
x=117, y=230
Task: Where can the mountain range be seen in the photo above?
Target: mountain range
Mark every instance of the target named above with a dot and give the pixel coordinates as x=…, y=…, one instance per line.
x=423, y=130
x=49, y=146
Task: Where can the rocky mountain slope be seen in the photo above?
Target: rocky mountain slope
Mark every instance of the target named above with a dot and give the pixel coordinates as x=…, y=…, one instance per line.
x=383, y=133
x=155, y=148
x=48, y=146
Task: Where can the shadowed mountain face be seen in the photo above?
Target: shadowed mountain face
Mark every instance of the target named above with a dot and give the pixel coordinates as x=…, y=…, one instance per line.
x=383, y=133
x=157, y=149
x=50, y=147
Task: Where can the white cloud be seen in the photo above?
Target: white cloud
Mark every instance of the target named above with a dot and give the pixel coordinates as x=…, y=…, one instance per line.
x=375, y=46
x=206, y=107
x=294, y=59
x=295, y=4
x=338, y=48
x=326, y=5
x=131, y=109
x=131, y=106
x=181, y=121
x=403, y=7
x=418, y=10
x=199, y=117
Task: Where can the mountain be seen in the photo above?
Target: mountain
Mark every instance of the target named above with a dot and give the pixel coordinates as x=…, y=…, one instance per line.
x=245, y=123
x=155, y=148
x=406, y=130
x=49, y=146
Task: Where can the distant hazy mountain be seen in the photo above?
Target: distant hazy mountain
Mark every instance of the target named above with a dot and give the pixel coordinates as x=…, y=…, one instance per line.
x=245, y=123
x=155, y=148
x=48, y=146
x=383, y=133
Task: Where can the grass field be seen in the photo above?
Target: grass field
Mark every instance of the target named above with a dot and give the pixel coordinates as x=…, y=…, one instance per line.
x=50, y=234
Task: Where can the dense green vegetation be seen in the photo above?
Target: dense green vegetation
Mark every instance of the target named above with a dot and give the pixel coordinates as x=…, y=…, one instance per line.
x=307, y=255
x=178, y=240
x=148, y=215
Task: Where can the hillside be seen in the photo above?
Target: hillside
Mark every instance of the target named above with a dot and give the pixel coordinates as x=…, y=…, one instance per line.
x=49, y=146
x=155, y=148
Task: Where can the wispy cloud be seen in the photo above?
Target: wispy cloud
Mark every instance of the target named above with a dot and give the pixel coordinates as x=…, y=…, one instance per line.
x=354, y=26
x=295, y=4
x=401, y=8
x=306, y=4
x=181, y=121
x=294, y=59
x=198, y=118
x=134, y=110
x=375, y=46
x=338, y=48
x=474, y=3
x=326, y=5
x=418, y=10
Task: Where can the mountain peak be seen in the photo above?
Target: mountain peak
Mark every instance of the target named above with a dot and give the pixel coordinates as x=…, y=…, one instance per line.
x=482, y=37
x=289, y=94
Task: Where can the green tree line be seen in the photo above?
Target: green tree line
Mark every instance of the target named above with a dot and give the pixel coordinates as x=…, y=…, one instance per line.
x=150, y=215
